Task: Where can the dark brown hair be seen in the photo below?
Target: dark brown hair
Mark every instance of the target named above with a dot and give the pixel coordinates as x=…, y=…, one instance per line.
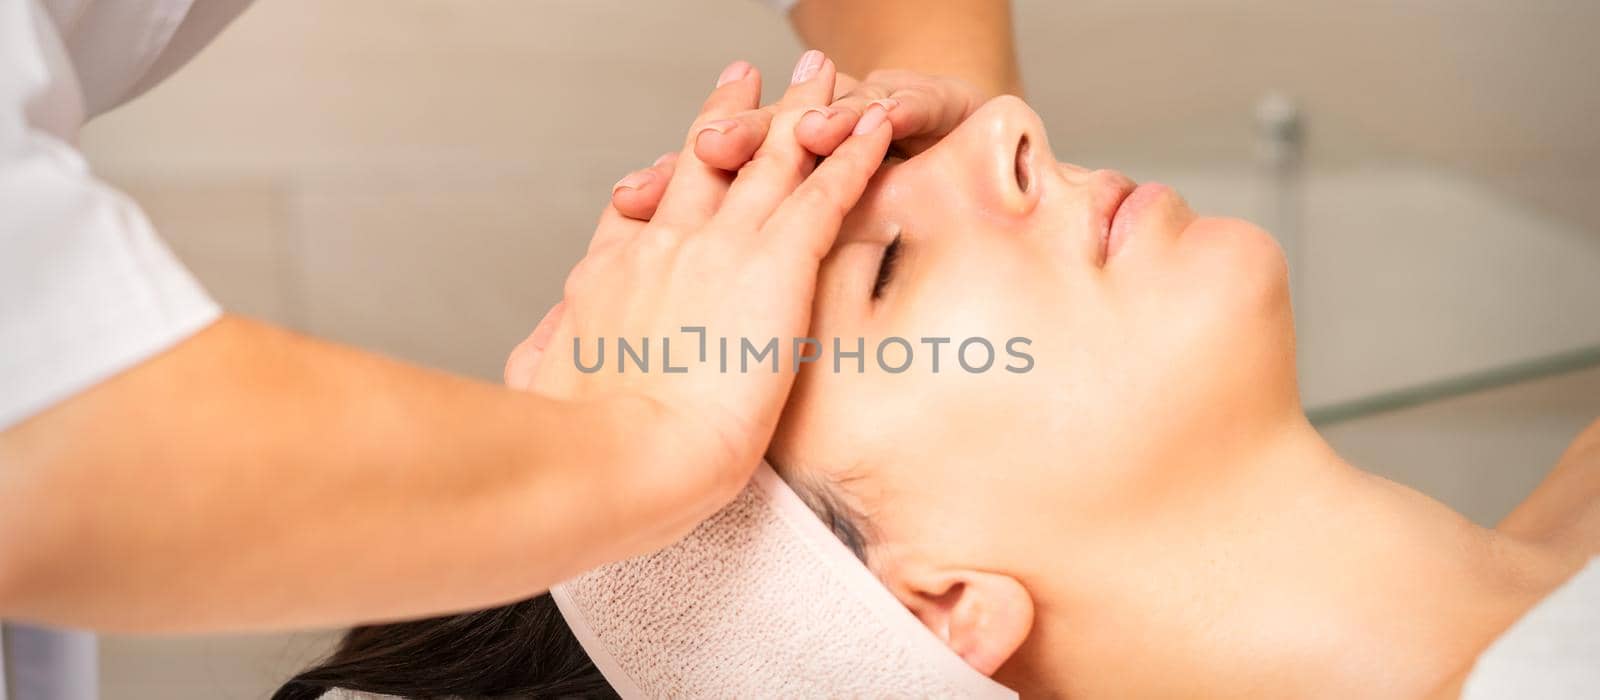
x=517, y=651
x=522, y=650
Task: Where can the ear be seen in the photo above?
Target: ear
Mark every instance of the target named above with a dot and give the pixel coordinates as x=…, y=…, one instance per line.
x=984, y=617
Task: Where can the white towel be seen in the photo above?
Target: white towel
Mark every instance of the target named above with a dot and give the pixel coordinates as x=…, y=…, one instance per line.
x=759, y=601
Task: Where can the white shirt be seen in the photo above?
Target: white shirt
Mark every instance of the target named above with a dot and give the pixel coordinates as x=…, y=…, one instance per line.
x=87, y=289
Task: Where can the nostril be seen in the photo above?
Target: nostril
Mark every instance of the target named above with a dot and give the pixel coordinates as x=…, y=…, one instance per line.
x=1024, y=175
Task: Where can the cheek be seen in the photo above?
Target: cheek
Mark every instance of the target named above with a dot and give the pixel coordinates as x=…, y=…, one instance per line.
x=1229, y=330
x=985, y=287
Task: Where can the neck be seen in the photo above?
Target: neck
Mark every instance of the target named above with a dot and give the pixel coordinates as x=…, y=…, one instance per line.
x=1284, y=573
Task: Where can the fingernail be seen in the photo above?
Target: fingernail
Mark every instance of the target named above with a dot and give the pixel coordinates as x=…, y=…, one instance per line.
x=806, y=69
x=888, y=103
x=633, y=181
x=670, y=155
x=721, y=126
x=874, y=117
x=816, y=116
x=735, y=71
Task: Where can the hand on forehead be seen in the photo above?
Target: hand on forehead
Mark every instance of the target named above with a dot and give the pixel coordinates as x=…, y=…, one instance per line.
x=921, y=109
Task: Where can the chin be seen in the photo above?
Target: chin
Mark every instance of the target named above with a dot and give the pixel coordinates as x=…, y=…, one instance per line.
x=1249, y=259
x=1229, y=329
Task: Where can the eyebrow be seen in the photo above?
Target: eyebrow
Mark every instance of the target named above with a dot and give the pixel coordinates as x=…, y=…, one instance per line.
x=823, y=498
x=845, y=524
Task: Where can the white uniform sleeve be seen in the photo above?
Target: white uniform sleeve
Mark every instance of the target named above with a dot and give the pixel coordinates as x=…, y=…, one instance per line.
x=87, y=289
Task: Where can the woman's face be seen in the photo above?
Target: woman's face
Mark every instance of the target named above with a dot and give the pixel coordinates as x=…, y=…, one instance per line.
x=1159, y=341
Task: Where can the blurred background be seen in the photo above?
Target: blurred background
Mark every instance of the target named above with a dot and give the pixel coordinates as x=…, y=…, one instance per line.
x=416, y=176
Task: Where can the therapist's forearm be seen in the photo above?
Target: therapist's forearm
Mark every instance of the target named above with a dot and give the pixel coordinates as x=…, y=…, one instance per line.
x=967, y=39
x=253, y=479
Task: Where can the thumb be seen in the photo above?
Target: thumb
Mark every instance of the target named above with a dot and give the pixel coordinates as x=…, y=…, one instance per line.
x=523, y=363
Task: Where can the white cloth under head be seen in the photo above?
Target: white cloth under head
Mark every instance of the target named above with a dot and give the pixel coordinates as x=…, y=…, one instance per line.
x=1552, y=652
x=759, y=601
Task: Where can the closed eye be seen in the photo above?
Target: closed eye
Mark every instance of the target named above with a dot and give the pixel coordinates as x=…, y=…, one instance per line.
x=891, y=252
x=891, y=255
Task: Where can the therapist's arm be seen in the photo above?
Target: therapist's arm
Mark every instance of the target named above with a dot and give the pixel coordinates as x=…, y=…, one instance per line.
x=250, y=478
x=967, y=39
x=253, y=478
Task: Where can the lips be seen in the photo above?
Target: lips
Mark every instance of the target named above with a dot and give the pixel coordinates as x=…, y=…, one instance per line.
x=1109, y=189
x=1133, y=208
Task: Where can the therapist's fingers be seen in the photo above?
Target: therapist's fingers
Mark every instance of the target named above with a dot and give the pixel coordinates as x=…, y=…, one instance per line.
x=523, y=364
x=729, y=143
x=612, y=229
x=638, y=193
x=822, y=129
x=732, y=147
x=695, y=189
x=808, y=221
x=781, y=162
x=922, y=109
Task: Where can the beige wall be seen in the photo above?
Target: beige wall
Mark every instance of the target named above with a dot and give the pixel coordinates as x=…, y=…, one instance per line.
x=415, y=176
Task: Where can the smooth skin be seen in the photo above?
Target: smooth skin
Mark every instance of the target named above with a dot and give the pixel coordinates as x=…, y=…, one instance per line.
x=250, y=478
x=1147, y=512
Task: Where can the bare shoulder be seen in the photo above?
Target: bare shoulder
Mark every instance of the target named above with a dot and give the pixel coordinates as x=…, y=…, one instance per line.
x=1562, y=516
x=1564, y=510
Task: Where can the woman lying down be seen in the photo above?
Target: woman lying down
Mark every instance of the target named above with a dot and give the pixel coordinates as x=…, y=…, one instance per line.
x=1143, y=510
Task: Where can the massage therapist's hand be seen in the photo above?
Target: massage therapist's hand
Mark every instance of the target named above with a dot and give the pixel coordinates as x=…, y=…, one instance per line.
x=737, y=256
x=921, y=108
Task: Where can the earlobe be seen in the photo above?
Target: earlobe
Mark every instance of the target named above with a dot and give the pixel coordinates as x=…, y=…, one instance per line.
x=984, y=617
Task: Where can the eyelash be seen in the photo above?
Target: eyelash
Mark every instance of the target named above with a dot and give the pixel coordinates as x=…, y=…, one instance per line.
x=891, y=254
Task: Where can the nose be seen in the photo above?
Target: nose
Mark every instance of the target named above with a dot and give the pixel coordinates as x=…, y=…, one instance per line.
x=1006, y=137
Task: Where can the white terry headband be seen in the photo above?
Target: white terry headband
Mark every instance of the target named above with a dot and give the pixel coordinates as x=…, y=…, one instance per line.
x=761, y=600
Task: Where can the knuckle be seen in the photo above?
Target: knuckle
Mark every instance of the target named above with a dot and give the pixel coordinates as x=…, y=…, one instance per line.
x=915, y=94
x=768, y=160
x=793, y=114
x=820, y=197
x=639, y=263
x=577, y=280
x=759, y=130
x=701, y=122
x=656, y=243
